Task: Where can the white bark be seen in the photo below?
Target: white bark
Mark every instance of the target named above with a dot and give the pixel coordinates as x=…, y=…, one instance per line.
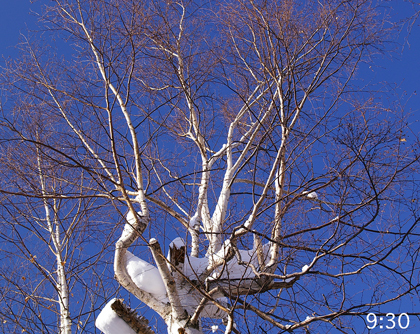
x=53, y=227
x=171, y=289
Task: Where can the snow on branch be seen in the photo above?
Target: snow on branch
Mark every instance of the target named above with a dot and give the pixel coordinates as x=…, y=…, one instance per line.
x=115, y=317
x=310, y=195
x=145, y=276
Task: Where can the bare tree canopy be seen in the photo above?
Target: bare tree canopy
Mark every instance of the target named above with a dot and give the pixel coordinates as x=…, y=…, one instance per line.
x=233, y=136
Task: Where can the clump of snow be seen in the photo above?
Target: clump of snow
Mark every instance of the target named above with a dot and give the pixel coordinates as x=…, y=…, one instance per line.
x=305, y=268
x=109, y=322
x=177, y=242
x=145, y=276
x=194, y=266
x=194, y=220
x=311, y=195
x=190, y=301
x=236, y=270
x=214, y=328
x=211, y=310
x=128, y=227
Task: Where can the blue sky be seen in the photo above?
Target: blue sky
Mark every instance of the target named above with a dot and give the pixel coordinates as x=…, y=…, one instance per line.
x=15, y=19
x=402, y=70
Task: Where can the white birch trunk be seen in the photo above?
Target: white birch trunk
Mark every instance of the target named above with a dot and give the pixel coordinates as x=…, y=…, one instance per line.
x=63, y=297
x=53, y=226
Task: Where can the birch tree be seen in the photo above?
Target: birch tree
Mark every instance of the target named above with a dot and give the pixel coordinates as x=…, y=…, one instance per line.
x=285, y=188
x=49, y=252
